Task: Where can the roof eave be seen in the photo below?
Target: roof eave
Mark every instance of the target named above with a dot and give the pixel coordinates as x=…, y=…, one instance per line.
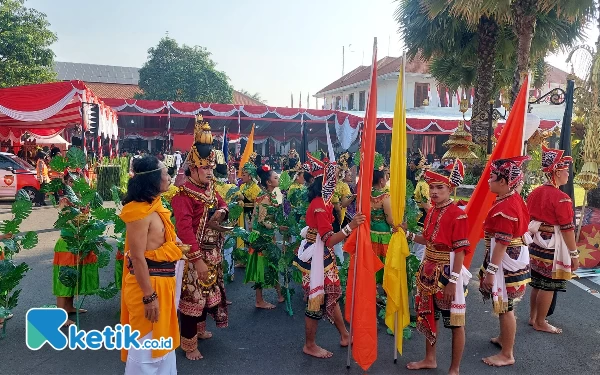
x=361, y=83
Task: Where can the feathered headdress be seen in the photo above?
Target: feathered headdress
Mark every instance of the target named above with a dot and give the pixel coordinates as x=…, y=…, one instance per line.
x=509, y=169
x=327, y=170
x=457, y=175
x=202, y=154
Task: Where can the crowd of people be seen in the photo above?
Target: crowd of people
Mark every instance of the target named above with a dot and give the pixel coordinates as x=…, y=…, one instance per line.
x=173, y=275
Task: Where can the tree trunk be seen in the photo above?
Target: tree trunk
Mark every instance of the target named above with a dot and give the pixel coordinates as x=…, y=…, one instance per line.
x=524, y=18
x=487, y=31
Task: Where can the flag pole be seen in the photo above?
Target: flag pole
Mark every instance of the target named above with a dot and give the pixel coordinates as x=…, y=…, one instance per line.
x=395, y=337
x=354, y=285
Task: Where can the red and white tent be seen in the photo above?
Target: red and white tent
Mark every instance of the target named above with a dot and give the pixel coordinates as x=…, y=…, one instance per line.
x=45, y=110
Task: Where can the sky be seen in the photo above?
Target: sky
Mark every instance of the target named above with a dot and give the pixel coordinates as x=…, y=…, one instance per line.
x=272, y=47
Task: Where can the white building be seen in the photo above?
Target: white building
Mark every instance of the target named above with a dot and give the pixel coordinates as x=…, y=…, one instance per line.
x=350, y=92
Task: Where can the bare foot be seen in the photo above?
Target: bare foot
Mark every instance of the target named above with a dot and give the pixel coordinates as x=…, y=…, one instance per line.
x=496, y=341
x=453, y=372
x=421, y=365
x=281, y=299
x=317, y=351
x=499, y=360
x=69, y=322
x=531, y=322
x=265, y=305
x=205, y=335
x=345, y=340
x=193, y=356
x=73, y=311
x=547, y=328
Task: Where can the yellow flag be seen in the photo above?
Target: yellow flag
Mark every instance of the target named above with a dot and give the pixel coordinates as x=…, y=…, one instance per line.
x=249, y=149
x=395, y=284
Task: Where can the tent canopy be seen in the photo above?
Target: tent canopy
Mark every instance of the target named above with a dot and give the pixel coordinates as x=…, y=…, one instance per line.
x=47, y=109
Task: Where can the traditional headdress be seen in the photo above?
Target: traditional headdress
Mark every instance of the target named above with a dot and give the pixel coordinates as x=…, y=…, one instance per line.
x=250, y=168
x=221, y=165
x=327, y=170
x=457, y=175
x=343, y=165
x=421, y=165
x=293, y=162
x=379, y=162
x=553, y=160
x=201, y=154
x=510, y=169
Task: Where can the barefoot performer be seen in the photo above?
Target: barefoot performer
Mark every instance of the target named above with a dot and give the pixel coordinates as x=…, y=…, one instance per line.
x=316, y=258
x=262, y=263
x=442, y=278
x=149, y=285
x=505, y=272
x=199, y=211
x=553, y=252
x=89, y=279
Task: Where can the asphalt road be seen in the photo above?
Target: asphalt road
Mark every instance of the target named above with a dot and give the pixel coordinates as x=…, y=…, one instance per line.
x=270, y=342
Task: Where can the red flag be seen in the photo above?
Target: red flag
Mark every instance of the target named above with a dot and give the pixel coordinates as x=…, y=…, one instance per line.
x=361, y=312
x=509, y=145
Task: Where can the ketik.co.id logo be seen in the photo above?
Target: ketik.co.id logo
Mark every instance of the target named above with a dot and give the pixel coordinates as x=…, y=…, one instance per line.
x=43, y=326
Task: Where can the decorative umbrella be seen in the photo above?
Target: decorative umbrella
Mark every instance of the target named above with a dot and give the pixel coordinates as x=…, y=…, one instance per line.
x=589, y=246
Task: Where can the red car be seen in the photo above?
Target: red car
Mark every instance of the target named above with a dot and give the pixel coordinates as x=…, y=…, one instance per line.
x=17, y=174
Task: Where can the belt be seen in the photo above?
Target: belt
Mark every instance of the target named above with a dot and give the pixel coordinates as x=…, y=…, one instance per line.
x=435, y=256
x=547, y=228
x=161, y=269
x=248, y=204
x=514, y=242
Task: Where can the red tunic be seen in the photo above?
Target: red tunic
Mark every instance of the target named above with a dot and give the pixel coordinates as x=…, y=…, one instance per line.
x=507, y=219
x=188, y=208
x=551, y=206
x=452, y=232
x=319, y=217
x=193, y=206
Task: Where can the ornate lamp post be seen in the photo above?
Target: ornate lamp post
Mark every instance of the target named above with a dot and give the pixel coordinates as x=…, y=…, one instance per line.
x=492, y=116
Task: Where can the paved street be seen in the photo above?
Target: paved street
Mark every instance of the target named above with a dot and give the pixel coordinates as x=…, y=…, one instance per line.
x=270, y=342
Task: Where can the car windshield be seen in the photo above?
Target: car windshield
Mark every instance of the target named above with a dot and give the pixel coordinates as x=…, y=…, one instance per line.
x=22, y=163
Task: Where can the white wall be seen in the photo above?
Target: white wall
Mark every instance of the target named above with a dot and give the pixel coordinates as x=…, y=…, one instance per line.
x=386, y=93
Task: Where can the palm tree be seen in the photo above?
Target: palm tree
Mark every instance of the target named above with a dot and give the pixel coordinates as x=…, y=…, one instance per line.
x=523, y=17
x=444, y=31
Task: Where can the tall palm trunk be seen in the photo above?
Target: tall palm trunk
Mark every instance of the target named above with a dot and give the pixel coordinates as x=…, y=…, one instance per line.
x=524, y=16
x=487, y=31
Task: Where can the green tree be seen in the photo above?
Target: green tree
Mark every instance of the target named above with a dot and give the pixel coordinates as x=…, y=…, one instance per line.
x=25, y=54
x=183, y=73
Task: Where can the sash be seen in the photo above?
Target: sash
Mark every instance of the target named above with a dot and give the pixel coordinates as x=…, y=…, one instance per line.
x=499, y=294
x=561, y=265
x=314, y=253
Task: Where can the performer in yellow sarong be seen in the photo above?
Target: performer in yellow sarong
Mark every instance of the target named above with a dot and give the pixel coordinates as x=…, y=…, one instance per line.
x=148, y=294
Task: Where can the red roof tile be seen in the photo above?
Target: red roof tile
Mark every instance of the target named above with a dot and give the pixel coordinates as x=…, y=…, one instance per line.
x=120, y=91
x=384, y=66
x=555, y=75
x=113, y=90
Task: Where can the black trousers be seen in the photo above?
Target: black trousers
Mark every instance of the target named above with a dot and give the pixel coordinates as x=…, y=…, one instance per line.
x=189, y=324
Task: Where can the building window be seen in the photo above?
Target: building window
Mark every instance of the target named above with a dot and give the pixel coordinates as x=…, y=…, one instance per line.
x=351, y=102
x=338, y=103
x=361, y=101
x=421, y=93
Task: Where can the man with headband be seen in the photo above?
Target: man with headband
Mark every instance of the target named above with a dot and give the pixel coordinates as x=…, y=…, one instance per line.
x=553, y=252
x=442, y=278
x=199, y=211
x=505, y=272
x=149, y=285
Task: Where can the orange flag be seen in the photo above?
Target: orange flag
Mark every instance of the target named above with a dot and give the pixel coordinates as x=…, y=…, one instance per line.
x=249, y=149
x=509, y=145
x=361, y=312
